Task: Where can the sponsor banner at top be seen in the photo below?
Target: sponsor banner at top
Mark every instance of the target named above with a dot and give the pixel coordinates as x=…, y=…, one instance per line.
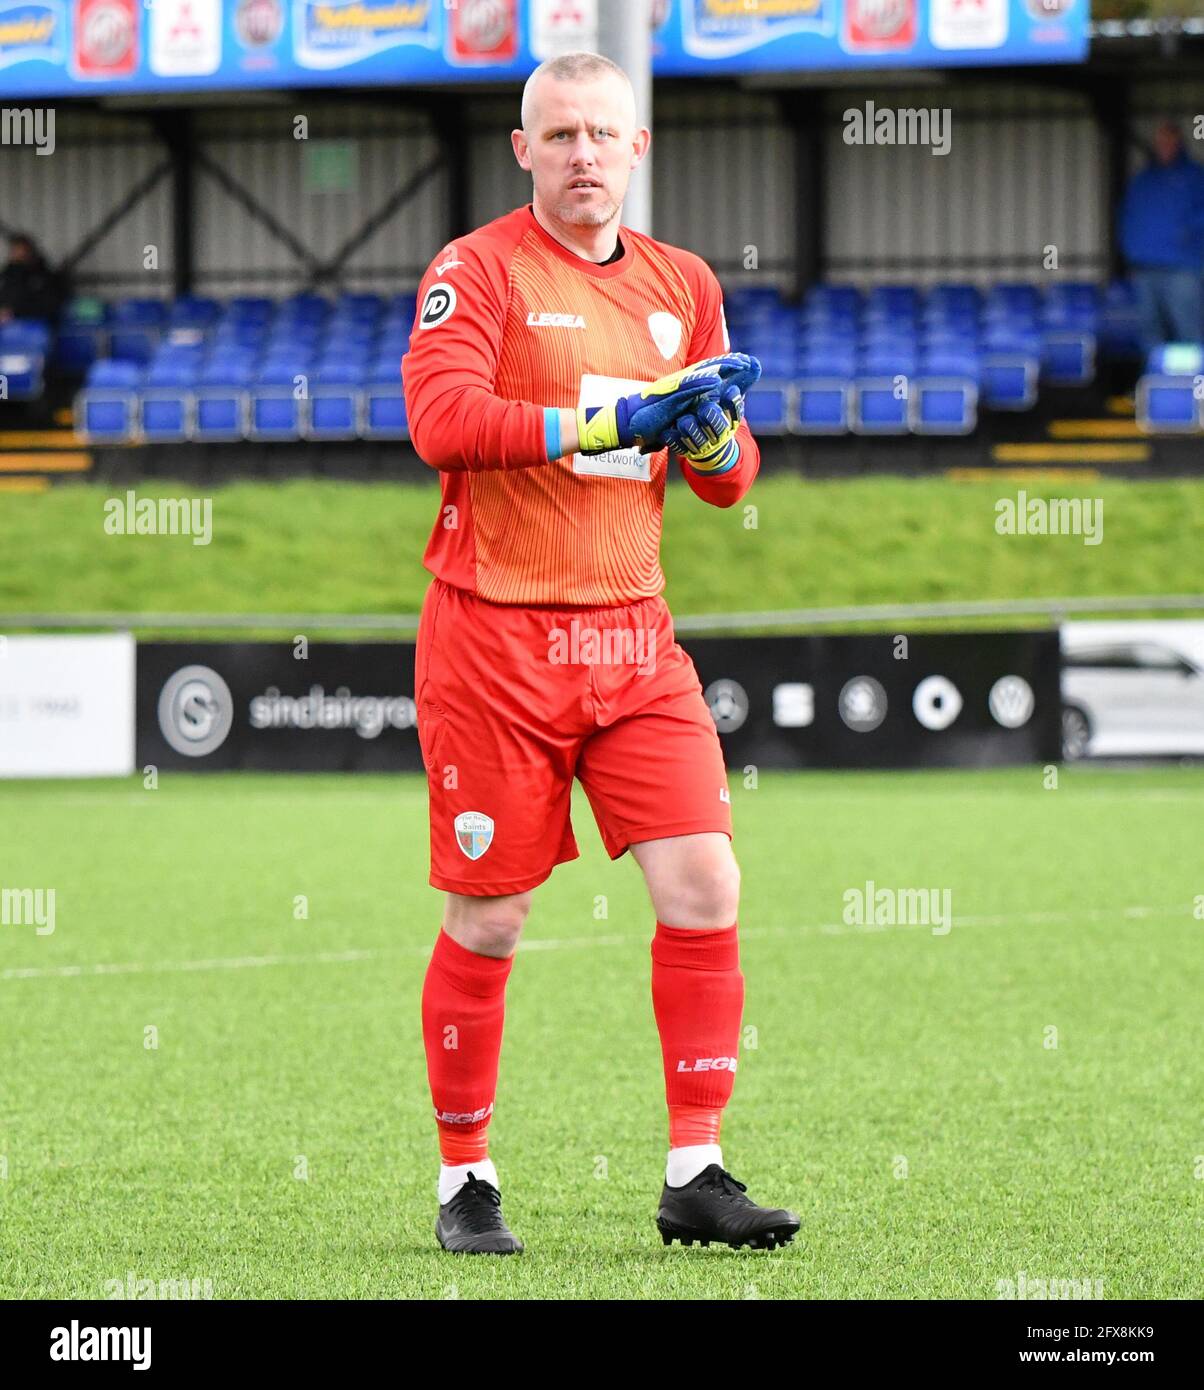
x=63, y=47
x=327, y=34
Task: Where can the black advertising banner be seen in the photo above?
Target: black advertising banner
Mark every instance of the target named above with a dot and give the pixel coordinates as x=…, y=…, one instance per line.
x=339, y=707
x=946, y=700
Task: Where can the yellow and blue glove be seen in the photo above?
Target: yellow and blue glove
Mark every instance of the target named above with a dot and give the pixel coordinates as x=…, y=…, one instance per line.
x=706, y=436
x=644, y=417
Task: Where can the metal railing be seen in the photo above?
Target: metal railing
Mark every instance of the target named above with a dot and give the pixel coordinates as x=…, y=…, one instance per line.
x=404, y=623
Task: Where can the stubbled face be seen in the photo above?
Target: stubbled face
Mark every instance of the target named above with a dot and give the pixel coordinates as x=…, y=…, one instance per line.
x=581, y=148
x=1166, y=144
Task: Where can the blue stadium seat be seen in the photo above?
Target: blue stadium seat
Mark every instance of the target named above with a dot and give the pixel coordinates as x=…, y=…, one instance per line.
x=881, y=388
x=23, y=346
x=943, y=405
x=304, y=308
x=776, y=358
x=958, y=297
x=393, y=344
x=106, y=407
x=276, y=414
x=401, y=309
x=846, y=298
x=336, y=403
x=279, y=403
x=1168, y=398
x=384, y=410
x=250, y=308
x=1067, y=357
x=76, y=347
x=223, y=401
x=349, y=337
x=1014, y=298
x=896, y=301
x=135, y=328
x=821, y=404
x=1120, y=322
x=145, y=310
x=767, y=409
x=288, y=337
x=1009, y=378
x=22, y=374
x=194, y=311
x=82, y=335
x=166, y=403
x=882, y=318
x=249, y=334
x=1073, y=304
x=827, y=356
x=25, y=335
x=1167, y=405
x=360, y=305
x=944, y=396
x=744, y=300
x=950, y=341
x=133, y=343
x=879, y=405
x=385, y=366
x=949, y=321
x=880, y=325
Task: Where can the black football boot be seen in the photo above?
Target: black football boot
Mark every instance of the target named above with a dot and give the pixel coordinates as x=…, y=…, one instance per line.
x=713, y=1207
x=472, y=1222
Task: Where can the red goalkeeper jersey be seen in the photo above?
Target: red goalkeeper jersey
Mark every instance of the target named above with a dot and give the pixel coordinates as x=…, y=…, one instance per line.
x=509, y=322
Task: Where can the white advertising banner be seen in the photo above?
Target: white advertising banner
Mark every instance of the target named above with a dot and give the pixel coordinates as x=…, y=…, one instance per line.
x=67, y=706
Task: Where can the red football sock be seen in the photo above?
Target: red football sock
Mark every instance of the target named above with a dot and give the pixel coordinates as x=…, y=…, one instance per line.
x=463, y=1009
x=698, y=999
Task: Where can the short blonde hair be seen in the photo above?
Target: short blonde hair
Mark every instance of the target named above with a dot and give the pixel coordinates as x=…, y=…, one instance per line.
x=571, y=67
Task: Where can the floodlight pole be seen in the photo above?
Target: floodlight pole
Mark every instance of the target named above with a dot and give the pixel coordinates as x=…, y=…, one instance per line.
x=625, y=37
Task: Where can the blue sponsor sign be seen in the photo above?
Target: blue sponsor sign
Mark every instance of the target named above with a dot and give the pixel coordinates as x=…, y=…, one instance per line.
x=51, y=48
x=32, y=35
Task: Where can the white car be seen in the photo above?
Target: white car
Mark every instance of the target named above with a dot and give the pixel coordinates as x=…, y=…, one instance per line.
x=1136, y=699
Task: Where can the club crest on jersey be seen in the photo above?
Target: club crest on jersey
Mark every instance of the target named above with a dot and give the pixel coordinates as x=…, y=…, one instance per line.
x=535, y=320
x=474, y=833
x=438, y=305
x=666, y=333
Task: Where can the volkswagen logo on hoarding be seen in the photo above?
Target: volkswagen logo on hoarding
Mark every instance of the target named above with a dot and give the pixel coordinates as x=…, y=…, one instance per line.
x=1011, y=701
x=196, y=711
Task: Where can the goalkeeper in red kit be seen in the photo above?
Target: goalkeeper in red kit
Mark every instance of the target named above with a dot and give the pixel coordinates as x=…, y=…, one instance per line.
x=554, y=356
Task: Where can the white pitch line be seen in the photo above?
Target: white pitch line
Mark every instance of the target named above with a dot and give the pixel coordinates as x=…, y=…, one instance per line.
x=164, y=967
x=1002, y=920
x=1134, y=913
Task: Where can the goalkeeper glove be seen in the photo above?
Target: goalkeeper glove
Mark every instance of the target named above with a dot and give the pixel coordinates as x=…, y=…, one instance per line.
x=644, y=416
x=706, y=438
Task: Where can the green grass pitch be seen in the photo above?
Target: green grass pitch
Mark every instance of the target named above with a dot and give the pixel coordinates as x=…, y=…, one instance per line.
x=902, y=1094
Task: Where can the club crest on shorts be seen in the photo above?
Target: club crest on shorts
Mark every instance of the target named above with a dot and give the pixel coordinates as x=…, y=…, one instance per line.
x=474, y=833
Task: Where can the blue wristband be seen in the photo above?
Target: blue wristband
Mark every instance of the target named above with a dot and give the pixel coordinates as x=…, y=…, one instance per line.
x=551, y=432
x=726, y=468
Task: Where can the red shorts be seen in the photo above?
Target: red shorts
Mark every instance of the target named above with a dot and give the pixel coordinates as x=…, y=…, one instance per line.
x=514, y=702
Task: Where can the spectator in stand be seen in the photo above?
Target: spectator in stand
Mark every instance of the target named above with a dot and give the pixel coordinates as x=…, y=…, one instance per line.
x=29, y=288
x=1162, y=238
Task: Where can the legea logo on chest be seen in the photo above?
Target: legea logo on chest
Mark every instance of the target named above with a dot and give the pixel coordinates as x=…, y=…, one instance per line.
x=535, y=320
